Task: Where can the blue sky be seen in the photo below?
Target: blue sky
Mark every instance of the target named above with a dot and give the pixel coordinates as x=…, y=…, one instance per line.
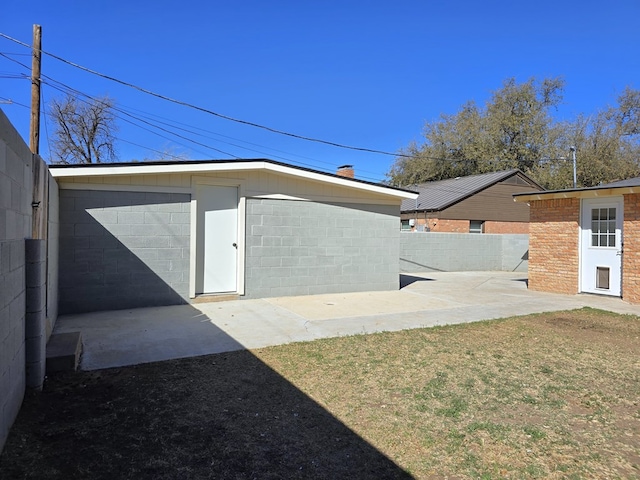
x=361, y=73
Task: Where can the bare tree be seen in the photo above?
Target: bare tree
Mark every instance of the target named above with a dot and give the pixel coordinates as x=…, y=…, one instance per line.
x=84, y=130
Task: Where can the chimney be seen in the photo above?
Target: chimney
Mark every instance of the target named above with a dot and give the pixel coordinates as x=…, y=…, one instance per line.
x=345, y=171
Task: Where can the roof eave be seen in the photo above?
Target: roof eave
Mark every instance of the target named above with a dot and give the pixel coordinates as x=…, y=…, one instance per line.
x=239, y=165
x=592, y=192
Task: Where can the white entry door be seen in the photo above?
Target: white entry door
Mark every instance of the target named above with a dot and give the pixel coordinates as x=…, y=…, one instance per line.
x=601, y=246
x=217, y=239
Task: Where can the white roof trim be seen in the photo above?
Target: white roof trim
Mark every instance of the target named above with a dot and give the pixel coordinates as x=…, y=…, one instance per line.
x=587, y=193
x=155, y=169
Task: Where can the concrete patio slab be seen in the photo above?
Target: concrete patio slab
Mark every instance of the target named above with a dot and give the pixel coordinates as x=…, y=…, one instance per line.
x=128, y=337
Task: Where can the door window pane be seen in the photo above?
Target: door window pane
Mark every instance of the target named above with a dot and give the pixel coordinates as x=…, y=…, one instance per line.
x=603, y=227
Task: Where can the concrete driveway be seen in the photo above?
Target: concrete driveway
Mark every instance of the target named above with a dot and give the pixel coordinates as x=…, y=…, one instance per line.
x=129, y=337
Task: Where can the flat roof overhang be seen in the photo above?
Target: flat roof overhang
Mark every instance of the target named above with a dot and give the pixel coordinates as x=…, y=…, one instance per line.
x=153, y=168
x=593, y=192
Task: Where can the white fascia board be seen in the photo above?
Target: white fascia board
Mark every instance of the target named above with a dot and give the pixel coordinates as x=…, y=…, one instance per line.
x=590, y=193
x=345, y=182
x=143, y=169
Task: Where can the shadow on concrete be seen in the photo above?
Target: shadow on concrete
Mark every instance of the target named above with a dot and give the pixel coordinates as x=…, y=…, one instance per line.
x=226, y=415
x=524, y=258
x=417, y=264
x=406, y=280
x=525, y=280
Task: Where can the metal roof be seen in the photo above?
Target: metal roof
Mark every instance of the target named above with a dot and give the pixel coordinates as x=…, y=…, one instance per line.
x=434, y=196
x=629, y=182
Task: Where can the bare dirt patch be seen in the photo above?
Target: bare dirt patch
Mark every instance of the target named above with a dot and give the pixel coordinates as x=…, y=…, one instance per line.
x=544, y=396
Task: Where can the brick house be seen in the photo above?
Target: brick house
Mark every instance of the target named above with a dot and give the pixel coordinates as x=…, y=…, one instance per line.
x=473, y=204
x=162, y=233
x=576, y=239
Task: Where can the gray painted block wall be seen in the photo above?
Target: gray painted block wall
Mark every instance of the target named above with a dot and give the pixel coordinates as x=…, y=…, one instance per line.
x=459, y=252
x=53, y=244
x=301, y=248
x=35, y=316
x=123, y=249
x=16, y=191
x=12, y=333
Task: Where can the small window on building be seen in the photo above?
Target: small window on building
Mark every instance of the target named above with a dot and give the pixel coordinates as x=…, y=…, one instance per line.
x=476, y=226
x=404, y=225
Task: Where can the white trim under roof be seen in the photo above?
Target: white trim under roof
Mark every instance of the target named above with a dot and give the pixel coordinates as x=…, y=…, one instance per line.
x=584, y=193
x=204, y=167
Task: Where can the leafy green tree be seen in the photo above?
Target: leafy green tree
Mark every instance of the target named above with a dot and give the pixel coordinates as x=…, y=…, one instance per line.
x=512, y=130
x=516, y=129
x=607, y=144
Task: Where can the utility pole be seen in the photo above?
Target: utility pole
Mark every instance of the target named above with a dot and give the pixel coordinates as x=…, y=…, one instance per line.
x=575, y=177
x=34, y=130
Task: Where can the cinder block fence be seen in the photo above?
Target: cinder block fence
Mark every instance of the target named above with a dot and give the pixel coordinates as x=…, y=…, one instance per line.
x=28, y=287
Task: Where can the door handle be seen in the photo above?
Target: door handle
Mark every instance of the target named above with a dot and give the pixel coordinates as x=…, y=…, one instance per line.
x=235, y=244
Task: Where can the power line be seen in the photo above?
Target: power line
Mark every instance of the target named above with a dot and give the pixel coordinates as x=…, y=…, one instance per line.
x=78, y=94
x=397, y=155
x=202, y=109
x=61, y=87
x=124, y=111
x=178, y=102
x=68, y=89
x=432, y=188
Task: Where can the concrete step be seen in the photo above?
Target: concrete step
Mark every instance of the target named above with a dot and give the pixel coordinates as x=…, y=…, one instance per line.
x=63, y=352
x=215, y=297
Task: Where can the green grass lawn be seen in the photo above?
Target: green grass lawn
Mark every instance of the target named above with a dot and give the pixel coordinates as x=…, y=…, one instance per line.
x=544, y=396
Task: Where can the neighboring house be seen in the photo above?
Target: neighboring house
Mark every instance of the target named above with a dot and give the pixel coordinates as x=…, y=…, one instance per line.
x=576, y=240
x=143, y=234
x=474, y=204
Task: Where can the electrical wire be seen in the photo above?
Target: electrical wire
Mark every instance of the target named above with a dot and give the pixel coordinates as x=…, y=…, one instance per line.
x=202, y=109
x=415, y=187
x=115, y=108
x=88, y=70
x=125, y=112
x=77, y=92
x=120, y=139
x=398, y=155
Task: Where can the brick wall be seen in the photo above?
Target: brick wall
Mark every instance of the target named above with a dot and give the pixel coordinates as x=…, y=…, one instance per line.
x=300, y=248
x=123, y=249
x=631, y=255
x=553, y=245
x=462, y=226
x=506, y=227
x=452, y=226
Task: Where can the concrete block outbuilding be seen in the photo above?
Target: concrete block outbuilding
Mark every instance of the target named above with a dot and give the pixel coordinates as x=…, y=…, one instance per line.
x=144, y=234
